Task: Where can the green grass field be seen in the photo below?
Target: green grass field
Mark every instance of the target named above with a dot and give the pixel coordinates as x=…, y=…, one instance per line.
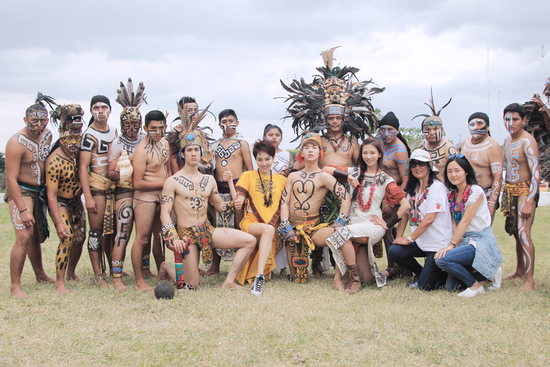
x=311, y=325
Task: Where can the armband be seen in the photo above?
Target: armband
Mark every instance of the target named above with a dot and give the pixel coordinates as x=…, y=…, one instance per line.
x=341, y=220
x=228, y=207
x=285, y=229
x=393, y=221
x=340, y=173
x=169, y=234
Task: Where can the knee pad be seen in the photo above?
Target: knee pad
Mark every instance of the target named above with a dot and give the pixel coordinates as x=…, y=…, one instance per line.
x=94, y=240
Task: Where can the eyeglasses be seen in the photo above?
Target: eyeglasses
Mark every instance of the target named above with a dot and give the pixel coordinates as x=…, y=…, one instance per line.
x=421, y=164
x=456, y=156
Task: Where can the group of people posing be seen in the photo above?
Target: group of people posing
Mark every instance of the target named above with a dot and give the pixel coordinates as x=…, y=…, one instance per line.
x=196, y=195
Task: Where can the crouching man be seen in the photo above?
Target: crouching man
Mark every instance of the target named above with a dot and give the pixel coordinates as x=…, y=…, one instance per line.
x=188, y=192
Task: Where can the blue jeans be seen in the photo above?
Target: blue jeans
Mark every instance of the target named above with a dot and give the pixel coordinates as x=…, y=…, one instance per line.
x=430, y=277
x=458, y=263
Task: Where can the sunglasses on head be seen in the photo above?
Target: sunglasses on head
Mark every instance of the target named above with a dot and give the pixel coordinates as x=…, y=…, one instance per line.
x=413, y=164
x=456, y=156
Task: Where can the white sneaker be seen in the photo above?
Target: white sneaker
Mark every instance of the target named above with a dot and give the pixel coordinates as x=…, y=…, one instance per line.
x=497, y=282
x=258, y=285
x=469, y=293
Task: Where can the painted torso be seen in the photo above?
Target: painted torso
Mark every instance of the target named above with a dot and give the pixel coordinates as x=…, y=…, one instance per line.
x=439, y=154
x=338, y=152
x=482, y=160
x=391, y=160
x=31, y=170
x=61, y=174
x=98, y=142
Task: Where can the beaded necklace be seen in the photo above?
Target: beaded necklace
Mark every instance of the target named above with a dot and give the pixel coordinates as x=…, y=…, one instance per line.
x=267, y=200
x=457, y=209
x=362, y=205
x=414, y=219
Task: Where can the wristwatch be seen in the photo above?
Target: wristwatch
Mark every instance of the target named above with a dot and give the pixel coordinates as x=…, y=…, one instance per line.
x=410, y=239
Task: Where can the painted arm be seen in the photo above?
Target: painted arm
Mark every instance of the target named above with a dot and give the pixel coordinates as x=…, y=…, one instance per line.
x=341, y=193
x=14, y=153
x=169, y=233
x=460, y=229
x=401, y=159
x=285, y=229
x=52, y=187
x=112, y=173
x=217, y=201
x=532, y=153
x=496, y=173
x=84, y=161
x=355, y=153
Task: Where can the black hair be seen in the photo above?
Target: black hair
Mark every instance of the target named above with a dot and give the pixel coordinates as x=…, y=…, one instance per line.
x=414, y=182
x=515, y=107
x=271, y=126
x=363, y=166
x=186, y=99
x=154, y=115
x=466, y=166
x=263, y=146
x=225, y=113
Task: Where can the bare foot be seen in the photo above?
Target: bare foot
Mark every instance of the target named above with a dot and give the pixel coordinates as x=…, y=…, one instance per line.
x=18, y=293
x=118, y=285
x=44, y=279
x=165, y=270
x=210, y=272
x=61, y=289
x=144, y=287
x=103, y=284
x=529, y=285
x=124, y=274
x=339, y=284
x=74, y=277
x=148, y=274
x=231, y=285
x=385, y=273
x=515, y=275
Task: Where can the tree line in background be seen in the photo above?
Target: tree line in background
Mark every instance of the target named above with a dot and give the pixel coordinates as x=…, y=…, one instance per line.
x=2, y=172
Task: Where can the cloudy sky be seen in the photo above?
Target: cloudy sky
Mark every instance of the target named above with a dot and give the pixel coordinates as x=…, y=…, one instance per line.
x=483, y=54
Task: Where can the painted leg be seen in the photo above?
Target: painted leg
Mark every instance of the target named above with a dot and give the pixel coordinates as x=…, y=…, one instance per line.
x=62, y=255
x=527, y=248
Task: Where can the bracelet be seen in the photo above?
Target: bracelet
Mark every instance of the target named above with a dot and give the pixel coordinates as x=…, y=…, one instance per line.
x=285, y=229
x=21, y=211
x=453, y=244
x=169, y=234
x=409, y=238
x=228, y=207
x=340, y=173
x=341, y=219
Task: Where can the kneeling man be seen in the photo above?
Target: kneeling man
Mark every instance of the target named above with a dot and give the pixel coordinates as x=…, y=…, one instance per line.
x=188, y=192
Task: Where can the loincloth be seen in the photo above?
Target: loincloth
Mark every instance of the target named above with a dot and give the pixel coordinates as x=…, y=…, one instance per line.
x=305, y=228
x=40, y=207
x=122, y=192
x=200, y=235
x=141, y=197
x=225, y=221
x=509, y=203
x=102, y=186
x=77, y=217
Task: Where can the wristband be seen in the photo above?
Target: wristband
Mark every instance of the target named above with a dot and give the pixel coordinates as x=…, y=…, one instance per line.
x=228, y=207
x=285, y=229
x=453, y=244
x=340, y=173
x=169, y=234
x=409, y=238
x=341, y=219
x=24, y=210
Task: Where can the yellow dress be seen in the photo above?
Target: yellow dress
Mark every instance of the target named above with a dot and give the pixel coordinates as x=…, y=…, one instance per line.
x=250, y=186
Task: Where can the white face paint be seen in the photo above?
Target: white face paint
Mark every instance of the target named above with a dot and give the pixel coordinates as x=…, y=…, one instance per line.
x=101, y=111
x=509, y=123
x=478, y=128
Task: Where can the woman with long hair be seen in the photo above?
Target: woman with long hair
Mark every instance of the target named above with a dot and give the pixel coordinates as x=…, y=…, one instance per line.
x=429, y=220
x=473, y=245
x=371, y=186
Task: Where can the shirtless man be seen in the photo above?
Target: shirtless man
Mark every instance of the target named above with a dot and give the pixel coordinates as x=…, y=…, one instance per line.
x=485, y=155
x=121, y=154
x=520, y=193
x=396, y=151
x=97, y=188
x=63, y=187
x=300, y=203
x=438, y=147
x=151, y=169
x=233, y=152
x=187, y=193
x=26, y=154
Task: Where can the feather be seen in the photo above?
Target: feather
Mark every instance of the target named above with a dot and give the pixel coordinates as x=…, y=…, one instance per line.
x=130, y=86
x=126, y=99
x=41, y=98
x=328, y=57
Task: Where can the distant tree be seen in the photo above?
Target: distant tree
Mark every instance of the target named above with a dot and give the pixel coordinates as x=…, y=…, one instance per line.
x=2, y=172
x=2, y=162
x=293, y=153
x=413, y=136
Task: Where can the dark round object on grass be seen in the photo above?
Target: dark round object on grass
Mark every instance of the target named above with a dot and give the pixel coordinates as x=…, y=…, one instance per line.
x=164, y=290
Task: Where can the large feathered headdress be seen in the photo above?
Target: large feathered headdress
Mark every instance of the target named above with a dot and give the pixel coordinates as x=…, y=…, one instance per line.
x=192, y=134
x=336, y=91
x=433, y=119
x=130, y=101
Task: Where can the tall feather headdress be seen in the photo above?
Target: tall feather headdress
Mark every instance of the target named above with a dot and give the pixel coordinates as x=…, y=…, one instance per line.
x=192, y=134
x=336, y=91
x=130, y=101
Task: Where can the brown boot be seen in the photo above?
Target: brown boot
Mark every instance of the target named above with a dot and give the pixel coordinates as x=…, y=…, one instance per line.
x=353, y=283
